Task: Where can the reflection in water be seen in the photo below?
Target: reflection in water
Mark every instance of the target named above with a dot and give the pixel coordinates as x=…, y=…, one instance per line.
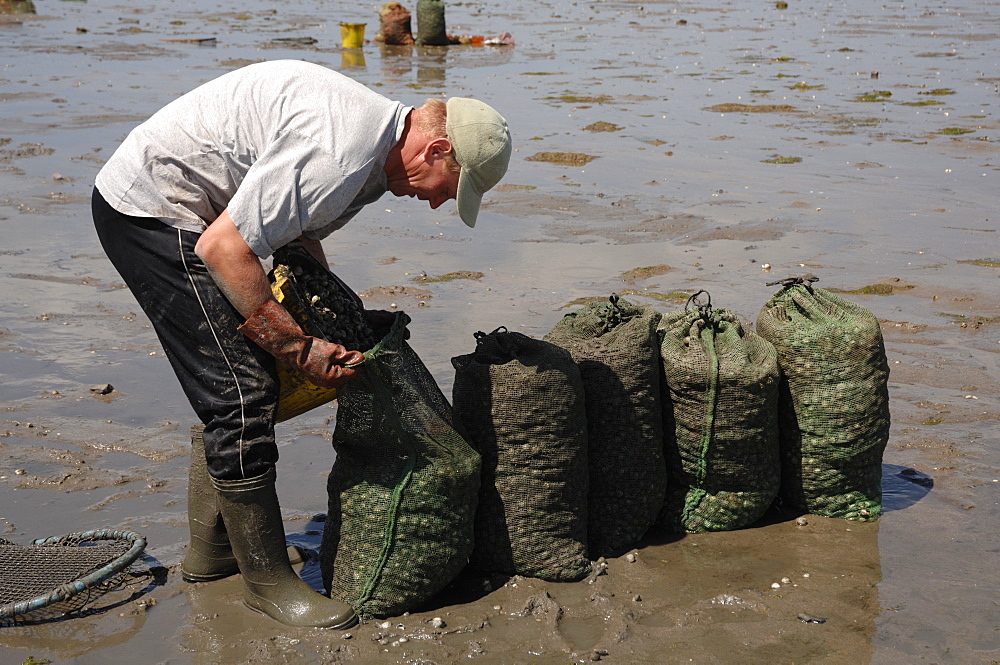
x=433, y=53
x=397, y=61
x=17, y=7
x=431, y=61
x=353, y=58
x=401, y=51
x=902, y=487
x=430, y=75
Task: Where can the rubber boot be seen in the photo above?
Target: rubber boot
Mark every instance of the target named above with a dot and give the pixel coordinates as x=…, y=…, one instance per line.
x=250, y=509
x=210, y=556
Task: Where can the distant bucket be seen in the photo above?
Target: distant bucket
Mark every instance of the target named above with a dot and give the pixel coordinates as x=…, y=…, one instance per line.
x=352, y=35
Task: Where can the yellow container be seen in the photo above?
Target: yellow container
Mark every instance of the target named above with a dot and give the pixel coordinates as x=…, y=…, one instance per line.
x=352, y=35
x=296, y=394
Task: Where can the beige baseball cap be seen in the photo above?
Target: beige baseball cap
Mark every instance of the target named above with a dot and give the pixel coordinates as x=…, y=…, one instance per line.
x=481, y=142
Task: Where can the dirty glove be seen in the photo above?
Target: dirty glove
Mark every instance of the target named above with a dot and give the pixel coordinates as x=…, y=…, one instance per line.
x=273, y=329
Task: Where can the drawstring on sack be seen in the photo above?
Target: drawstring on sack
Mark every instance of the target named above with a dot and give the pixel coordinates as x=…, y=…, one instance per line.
x=704, y=309
x=806, y=281
x=614, y=317
x=481, y=335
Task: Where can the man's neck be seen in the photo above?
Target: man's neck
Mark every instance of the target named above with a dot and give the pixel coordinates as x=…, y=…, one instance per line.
x=400, y=153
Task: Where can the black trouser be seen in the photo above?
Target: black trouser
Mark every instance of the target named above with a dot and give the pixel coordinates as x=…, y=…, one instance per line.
x=230, y=381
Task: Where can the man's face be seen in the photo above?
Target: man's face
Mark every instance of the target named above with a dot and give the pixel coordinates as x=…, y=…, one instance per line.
x=429, y=179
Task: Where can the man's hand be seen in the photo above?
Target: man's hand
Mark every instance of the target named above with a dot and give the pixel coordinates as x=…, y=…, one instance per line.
x=273, y=329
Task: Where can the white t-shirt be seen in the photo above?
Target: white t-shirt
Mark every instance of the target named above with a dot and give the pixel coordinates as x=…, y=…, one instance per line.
x=290, y=148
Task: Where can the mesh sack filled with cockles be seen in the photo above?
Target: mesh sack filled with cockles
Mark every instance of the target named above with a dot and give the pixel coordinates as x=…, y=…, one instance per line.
x=394, y=25
x=617, y=349
x=521, y=401
x=431, y=29
x=403, y=488
x=834, y=402
x=721, y=420
x=320, y=301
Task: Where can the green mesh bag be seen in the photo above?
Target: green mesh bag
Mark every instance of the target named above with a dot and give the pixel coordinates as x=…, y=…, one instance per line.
x=521, y=401
x=616, y=346
x=403, y=488
x=834, y=405
x=430, y=23
x=721, y=414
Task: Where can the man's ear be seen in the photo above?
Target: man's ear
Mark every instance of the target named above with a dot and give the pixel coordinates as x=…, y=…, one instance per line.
x=437, y=148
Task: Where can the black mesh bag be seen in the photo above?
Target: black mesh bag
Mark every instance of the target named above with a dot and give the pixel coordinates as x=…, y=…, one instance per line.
x=521, y=401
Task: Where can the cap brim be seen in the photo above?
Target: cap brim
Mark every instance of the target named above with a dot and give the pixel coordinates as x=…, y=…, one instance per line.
x=468, y=199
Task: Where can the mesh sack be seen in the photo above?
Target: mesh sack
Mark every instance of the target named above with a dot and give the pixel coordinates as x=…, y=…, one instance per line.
x=394, y=25
x=617, y=349
x=521, y=401
x=403, y=488
x=721, y=420
x=834, y=405
x=430, y=23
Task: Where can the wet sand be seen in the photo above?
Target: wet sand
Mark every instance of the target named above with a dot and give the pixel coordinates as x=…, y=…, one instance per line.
x=726, y=145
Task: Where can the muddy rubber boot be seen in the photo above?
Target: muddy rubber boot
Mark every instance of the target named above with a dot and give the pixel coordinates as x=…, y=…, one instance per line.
x=250, y=509
x=209, y=557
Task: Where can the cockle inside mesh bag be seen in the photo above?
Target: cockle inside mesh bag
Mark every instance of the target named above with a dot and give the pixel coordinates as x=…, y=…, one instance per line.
x=616, y=347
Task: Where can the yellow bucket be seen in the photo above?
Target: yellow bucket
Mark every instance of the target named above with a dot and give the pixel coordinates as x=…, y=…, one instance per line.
x=352, y=35
x=296, y=395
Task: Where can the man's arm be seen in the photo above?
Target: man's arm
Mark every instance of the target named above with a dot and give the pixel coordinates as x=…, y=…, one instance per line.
x=233, y=265
x=239, y=275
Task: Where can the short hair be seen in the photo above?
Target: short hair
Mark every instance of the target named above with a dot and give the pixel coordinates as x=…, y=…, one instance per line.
x=433, y=122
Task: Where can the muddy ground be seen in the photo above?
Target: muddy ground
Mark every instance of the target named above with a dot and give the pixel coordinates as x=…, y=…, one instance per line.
x=661, y=148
